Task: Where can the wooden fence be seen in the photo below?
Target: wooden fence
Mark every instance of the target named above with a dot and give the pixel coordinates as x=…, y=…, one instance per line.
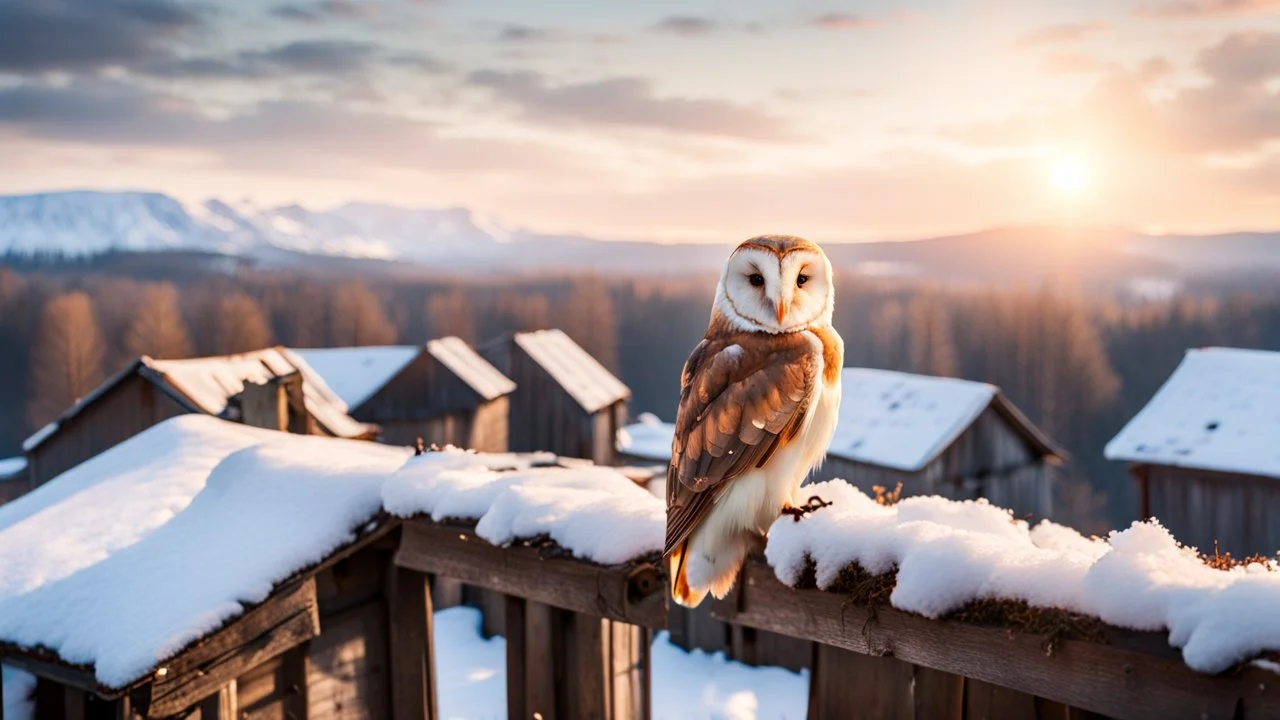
x=578, y=638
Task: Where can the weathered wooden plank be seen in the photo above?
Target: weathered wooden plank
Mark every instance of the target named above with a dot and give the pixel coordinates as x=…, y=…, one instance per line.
x=50, y=699
x=848, y=685
x=516, y=653
x=984, y=701
x=413, y=687
x=628, y=653
x=293, y=672
x=632, y=594
x=937, y=694
x=220, y=705
x=270, y=629
x=539, y=661
x=63, y=674
x=75, y=700
x=1118, y=680
x=587, y=667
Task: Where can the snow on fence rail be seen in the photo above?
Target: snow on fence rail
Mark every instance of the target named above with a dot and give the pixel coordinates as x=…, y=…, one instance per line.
x=927, y=606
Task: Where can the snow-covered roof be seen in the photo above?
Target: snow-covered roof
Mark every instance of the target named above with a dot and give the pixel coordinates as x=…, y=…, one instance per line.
x=648, y=438
x=207, y=384
x=356, y=373
x=947, y=554
x=581, y=375
x=211, y=382
x=1218, y=411
x=903, y=421
x=889, y=419
x=462, y=360
x=168, y=535
x=12, y=467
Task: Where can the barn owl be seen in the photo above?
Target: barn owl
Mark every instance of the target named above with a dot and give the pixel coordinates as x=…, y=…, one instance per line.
x=758, y=404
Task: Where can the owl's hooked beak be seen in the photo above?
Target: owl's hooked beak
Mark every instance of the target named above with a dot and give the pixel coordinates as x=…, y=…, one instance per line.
x=782, y=309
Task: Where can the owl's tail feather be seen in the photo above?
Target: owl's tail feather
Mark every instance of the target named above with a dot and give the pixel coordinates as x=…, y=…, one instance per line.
x=680, y=590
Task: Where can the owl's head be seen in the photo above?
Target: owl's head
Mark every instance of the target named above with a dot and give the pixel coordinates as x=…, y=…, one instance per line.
x=776, y=284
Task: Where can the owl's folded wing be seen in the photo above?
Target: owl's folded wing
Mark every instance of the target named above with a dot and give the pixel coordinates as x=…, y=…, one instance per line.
x=741, y=397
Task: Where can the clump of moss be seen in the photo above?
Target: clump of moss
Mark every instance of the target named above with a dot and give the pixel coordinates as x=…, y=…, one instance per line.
x=887, y=497
x=1054, y=624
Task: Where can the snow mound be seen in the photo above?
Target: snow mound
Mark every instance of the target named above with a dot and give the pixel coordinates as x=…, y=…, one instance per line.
x=949, y=553
x=648, y=438
x=594, y=512
x=165, y=537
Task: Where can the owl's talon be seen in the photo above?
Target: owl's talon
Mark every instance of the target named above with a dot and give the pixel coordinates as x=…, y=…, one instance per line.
x=814, y=503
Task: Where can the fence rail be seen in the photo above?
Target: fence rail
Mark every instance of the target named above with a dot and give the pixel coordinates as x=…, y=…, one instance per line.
x=578, y=646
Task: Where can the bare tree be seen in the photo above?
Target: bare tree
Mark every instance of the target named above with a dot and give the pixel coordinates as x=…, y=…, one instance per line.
x=451, y=313
x=158, y=329
x=587, y=315
x=930, y=347
x=356, y=317
x=66, y=360
x=240, y=325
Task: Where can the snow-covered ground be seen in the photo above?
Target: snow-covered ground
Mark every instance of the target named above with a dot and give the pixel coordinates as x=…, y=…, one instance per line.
x=18, y=688
x=12, y=467
x=471, y=679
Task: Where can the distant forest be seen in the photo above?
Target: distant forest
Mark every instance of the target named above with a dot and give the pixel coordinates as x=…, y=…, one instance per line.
x=1078, y=367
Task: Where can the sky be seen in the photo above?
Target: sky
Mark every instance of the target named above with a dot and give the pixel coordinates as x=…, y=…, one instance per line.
x=662, y=120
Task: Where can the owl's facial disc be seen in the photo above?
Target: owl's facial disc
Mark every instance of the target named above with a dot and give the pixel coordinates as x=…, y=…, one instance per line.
x=761, y=290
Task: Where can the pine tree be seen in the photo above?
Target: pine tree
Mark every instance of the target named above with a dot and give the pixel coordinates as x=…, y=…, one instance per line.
x=66, y=360
x=158, y=329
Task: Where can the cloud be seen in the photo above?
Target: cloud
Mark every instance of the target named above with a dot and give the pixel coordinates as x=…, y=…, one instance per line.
x=79, y=35
x=629, y=101
x=278, y=135
x=1208, y=8
x=332, y=58
x=1243, y=58
x=324, y=10
x=1063, y=33
x=516, y=33
x=686, y=25
x=842, y=21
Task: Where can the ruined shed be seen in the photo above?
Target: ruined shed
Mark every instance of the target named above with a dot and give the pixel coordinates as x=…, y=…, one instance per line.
x=149, y=391
x=565, y=402
x=208, y=569
x=443, y=392
x=1205, y=451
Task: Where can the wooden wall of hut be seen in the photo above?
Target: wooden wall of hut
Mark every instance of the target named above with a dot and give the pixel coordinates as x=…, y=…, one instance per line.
x=989, y=460
x=426, y=400
x=1240, y=512
x=131, y=406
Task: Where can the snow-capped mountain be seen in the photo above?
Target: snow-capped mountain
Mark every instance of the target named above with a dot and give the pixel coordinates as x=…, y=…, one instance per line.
x=84, y=223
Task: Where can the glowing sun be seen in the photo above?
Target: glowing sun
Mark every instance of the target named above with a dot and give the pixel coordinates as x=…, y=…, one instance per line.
x=1069, y=175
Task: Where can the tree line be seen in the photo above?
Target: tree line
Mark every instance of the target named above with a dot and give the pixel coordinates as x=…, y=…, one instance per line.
x=1078, y=367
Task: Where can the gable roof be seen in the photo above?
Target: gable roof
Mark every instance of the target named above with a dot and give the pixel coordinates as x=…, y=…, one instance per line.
x=888, y=419
x=355, y=374
x=905, y=421
x=581, y=375
x=462, y=360
x=205, y=385
x=1219, y=410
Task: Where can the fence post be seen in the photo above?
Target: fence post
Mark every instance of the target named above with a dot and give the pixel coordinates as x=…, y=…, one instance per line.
x=413, y=678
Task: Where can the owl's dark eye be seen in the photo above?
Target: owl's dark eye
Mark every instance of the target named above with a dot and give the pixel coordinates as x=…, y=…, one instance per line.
x=756, y=279
x=801, y=280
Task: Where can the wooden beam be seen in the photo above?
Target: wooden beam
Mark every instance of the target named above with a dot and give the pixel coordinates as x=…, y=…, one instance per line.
x=1130, y=678
x=267, y=631
x=221, y=705
x=74, y=699
x=413, y=678
x=627, y=593
x=65, y=674
x=515, y=627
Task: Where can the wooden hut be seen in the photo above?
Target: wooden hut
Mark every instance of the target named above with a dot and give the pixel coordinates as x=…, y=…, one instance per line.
x=565, y=402
x=13, y=478
x=150, y=391
x=200, y=512
x=443, y=392
x=936, y=436
x=1205, y=451
x=940, y=436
